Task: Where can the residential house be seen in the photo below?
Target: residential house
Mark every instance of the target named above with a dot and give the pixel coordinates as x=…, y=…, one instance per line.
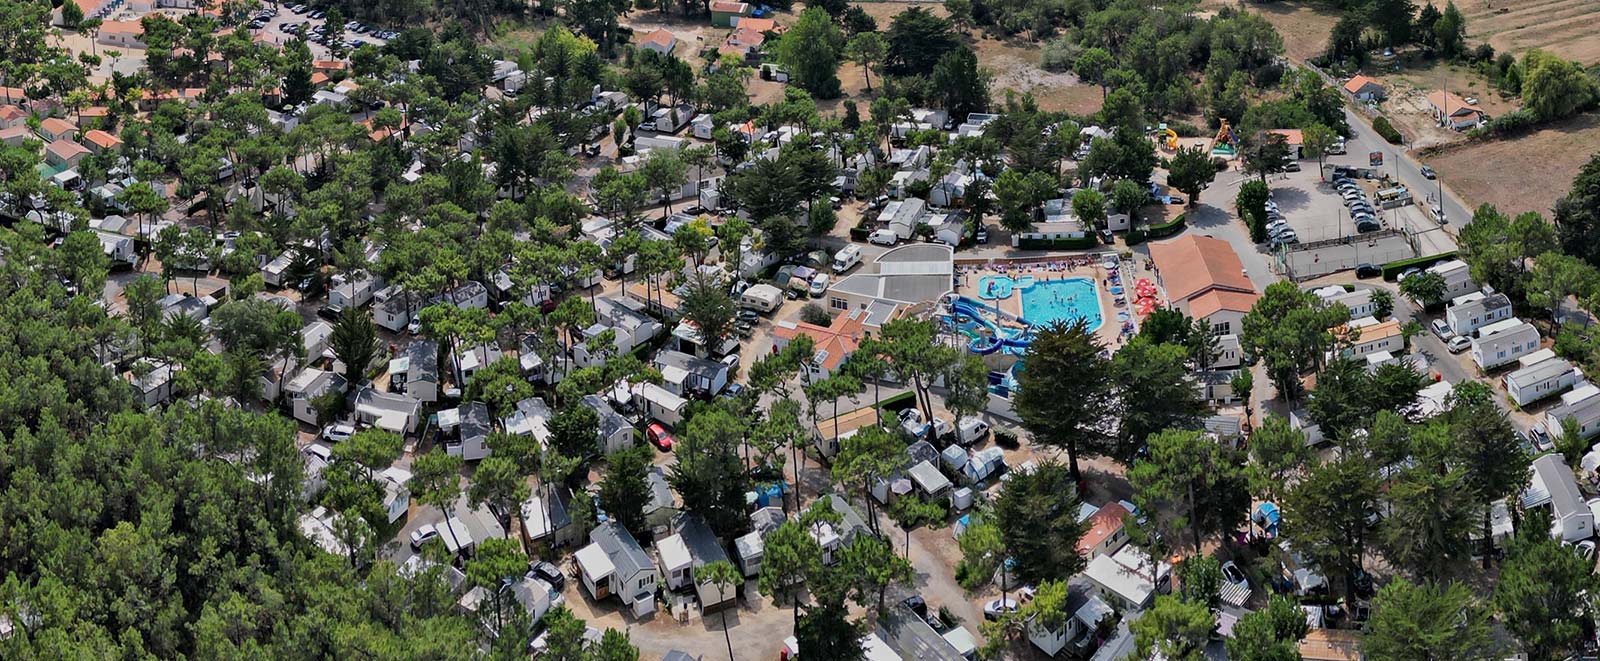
x=469, y=361
x=415, y=371
x=615, y=433
x=306, y=387
x=64, y=153
x=466, y=429
x=833, y=343
x=903, y=216
x=1457, y=278
x=728, y=13
x=391, y=308
x=663, y=506
x=1292, y=138
x=56, y=128
x=1205, y=279
x=101, y=142
x=1469, y=312
x=15, y=136
x=660, y=41
x=1128, y=578
x=1553, y=484
x=389, y=411
x=1104, y=534
x=1364, y=88
x=1503, y=342
x=345, y=291
x=1359, y=300
x=546, y=518
x=154, y=387
x=121, y=34
x=1084, y=612
x=682, y=554
x=12, y=116
x=1540, y=375
x=614, y=564
x=1581, y=406
x=685, y=375
x=1453, y=111
x=1371, y=336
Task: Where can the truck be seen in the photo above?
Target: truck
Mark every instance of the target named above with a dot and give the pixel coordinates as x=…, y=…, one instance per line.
x=761, y=298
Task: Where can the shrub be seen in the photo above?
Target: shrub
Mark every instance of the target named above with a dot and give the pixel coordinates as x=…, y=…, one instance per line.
x=1006, y=438
x=1074, y=243
x=1387, y=130
x=1393, y=269
x=1059, y=55
x=1185, y=130
x=860, y=231
x=1511, y=123
x=1168, y=228
x=1134, y=237
x=911, y=511
x=815, y=314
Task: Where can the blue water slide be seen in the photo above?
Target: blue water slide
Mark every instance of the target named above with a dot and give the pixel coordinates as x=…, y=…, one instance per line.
x=980, y=314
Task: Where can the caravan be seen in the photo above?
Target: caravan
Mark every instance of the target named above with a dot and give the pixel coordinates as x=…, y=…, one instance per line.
x=846, y=258
x=761, y=297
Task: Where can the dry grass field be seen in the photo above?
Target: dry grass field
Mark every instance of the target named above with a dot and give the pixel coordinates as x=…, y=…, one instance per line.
x=1569, y=28
x=1526, y=174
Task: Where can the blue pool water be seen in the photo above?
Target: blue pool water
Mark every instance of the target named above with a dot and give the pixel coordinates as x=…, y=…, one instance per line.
x=1048, y=301
x=995, y=287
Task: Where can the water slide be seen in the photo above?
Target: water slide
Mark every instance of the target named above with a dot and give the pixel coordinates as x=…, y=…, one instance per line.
x=979, y=313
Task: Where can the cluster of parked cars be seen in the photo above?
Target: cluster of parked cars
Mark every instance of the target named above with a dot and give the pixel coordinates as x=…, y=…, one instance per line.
x=259, y=19
x=1455, y=343
x=1278, y=229
x=1362, y=212
x=320, y=34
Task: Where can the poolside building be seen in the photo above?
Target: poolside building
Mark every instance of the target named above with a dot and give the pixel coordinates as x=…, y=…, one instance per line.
x=1204, y=279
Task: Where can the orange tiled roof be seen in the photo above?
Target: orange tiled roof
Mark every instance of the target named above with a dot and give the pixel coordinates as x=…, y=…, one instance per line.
x=1192, y=265
x=838, y=339
x=1103, y=524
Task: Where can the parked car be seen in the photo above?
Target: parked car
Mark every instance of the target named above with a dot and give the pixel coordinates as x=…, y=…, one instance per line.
x=1541, y=438
x=911, y=421
x=982, y=236
x=414, y=326
x=659, y=436
x=319, y=451
x=423, y=535
x=548, y=573
x=1368, y=271
x=819, y=285
x=999, y=606
x=338, y=432
x=1458, y=344
x=1441, y=329
x=1428, y=173
x=1233, y=574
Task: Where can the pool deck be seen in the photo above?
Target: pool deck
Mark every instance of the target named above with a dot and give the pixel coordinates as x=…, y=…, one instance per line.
x=1109, y=331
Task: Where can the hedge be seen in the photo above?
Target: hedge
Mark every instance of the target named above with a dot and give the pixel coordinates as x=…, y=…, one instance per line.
x=860, y=231
x=1077, y=243
x=1166, y=229
x=1393, y=269
x=1387, y=130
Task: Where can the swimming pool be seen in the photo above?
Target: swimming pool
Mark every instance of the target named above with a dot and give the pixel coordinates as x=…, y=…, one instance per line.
x=1048, y=301
x=996, y=287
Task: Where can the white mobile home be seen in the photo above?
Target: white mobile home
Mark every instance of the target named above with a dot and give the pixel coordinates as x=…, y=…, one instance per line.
x=614, y=564
x=1457, y=278
x=1372, y=336
x=306, y=387
x=1473, y=311
x=1504, y=342
x=1582, y=406
x=694, y=546
x=415, y=371
x=1541, y=375
x=1553, y=484
x=684, y=374
x=390, y=411
x=345, y=291
x=391, y=308
x=467, y=430
x=660, y=404
x=614, y=433
x=272, y=273
x=1358, y=300
x=1128, y=578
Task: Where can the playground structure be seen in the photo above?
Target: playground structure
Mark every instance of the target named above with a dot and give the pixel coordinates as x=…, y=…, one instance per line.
x=1169, y=138
x=1226, y=144
x=987, y=328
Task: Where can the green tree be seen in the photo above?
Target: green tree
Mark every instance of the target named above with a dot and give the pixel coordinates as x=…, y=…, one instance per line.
x=1199, y=580
x=1450, y=32
x=1325, y=513
x=625, y=489
x=1089, y=206
x=575, y=430
x=1190, y=482
x=1153, y=393
x=873, y=566
x=810, y=50
x=1019, y=196
x=918, y=40
x=1091, y=67
x=1190, y=170
x=724, y=577
x=372, y=449
x=501, y=484
x=614, y=646
x=709, y=308
x=1554, y=278
x=1286, y=330
x=436, y=479
x=1541, y=591
x=1278, y=452
x=959, y=84
x=826, y=631
x=1427, y=622
x=1065, y=392
x=1316, y=140
x=1037, y=516
x=1431, y=518
x=1175, y=629
x=1425, y=288
x=867, y=49
x=355, y=343
x=1269, y=634
x=1553, y=87
x=1251, y=204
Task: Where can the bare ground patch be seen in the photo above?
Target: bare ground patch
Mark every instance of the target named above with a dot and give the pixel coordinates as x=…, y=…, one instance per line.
x=1528, y=173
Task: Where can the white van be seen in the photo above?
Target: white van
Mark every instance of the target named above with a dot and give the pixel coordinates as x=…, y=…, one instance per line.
x=847, y=257
x=762, y=297
x=883, y=237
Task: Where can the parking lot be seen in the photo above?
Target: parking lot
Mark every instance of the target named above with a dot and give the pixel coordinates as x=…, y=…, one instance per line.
x=292, y=20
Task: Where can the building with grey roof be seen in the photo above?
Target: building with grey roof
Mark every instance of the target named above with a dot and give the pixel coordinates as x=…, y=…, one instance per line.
x=614, y=564
x=907, y=275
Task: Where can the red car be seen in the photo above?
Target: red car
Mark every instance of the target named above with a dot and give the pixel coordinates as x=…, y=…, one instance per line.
x=659, y=436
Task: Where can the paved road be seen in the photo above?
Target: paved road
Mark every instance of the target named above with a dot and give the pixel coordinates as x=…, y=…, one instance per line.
x=1398, y=162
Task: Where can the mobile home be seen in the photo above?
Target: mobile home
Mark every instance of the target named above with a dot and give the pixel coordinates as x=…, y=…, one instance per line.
x=1475, y=310
x=1503, y=342
x=1540, y=375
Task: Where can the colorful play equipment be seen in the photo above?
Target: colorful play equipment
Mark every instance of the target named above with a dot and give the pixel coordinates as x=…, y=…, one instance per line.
x=1171, y=139
x=1226, y=144
x=977, y=321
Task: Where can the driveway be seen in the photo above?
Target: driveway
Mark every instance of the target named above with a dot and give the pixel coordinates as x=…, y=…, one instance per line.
x=1398, y=163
